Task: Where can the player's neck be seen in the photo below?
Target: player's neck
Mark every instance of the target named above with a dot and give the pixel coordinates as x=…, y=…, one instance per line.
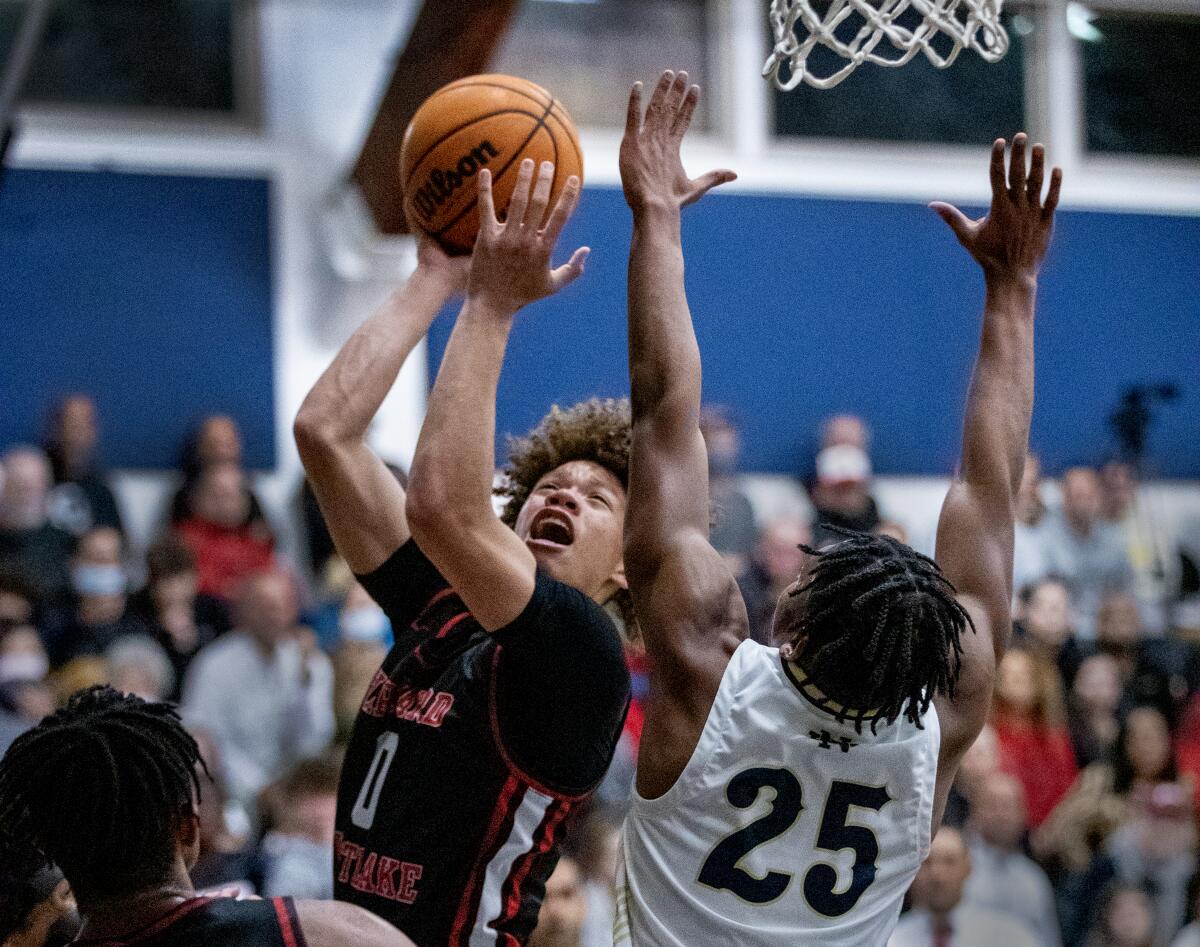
x=115, y=917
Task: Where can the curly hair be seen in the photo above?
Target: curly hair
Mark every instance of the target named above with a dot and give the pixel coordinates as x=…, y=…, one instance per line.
x=597, y=430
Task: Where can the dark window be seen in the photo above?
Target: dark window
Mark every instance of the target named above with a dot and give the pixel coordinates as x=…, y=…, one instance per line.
x=969, y=102
x=121, y=54
x=589, y=54
x=1141, y=83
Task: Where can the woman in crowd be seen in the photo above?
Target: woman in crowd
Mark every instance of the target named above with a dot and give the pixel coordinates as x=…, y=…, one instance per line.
x=1029, y=720
x=1100, y=799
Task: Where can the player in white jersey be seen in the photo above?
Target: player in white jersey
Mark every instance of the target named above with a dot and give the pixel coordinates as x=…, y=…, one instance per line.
x=787, y=796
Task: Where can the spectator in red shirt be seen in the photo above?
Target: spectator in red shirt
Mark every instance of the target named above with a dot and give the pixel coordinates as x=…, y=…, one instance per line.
x=1035, y=745
x=227, y=544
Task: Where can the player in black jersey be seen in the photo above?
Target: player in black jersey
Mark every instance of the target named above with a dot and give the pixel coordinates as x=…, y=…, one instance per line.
x=107, y=790
x=501, y=704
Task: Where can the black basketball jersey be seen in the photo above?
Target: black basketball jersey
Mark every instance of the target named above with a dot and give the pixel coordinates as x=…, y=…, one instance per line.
x=219, y=922
x=469, y=753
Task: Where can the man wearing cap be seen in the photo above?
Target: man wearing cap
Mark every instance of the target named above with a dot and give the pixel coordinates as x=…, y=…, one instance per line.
x=841, y=493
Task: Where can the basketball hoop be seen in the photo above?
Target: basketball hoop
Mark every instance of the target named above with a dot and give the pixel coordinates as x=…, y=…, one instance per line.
x=885, y=32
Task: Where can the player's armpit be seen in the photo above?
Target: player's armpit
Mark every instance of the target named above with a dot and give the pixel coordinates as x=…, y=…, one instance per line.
x=693, y=618
x=334, y=924
x=962, y=717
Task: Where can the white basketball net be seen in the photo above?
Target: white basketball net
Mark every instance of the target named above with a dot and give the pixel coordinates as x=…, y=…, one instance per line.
x=869, y=31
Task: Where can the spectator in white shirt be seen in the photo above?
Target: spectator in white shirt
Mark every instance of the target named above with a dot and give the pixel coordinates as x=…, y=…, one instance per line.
x=940, y=917
x=1003, y=878
x=263, y=691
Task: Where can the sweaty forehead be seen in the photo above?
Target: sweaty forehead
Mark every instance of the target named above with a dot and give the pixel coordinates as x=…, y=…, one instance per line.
x=585, y=473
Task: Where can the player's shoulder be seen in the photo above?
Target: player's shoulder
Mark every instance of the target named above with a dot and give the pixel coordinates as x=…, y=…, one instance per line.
x=555, y=604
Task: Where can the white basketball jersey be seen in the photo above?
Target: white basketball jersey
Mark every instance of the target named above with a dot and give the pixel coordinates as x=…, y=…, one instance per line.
x=785, y=828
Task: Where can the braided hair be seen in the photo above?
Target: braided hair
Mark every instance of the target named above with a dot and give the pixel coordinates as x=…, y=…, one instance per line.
x=881, y=628
x=99, y=788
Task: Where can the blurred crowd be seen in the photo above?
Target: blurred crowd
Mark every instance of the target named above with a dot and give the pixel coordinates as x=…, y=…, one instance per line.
x=1073, y=820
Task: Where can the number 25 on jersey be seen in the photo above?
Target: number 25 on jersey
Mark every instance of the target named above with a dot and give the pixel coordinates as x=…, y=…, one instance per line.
x=722, y=869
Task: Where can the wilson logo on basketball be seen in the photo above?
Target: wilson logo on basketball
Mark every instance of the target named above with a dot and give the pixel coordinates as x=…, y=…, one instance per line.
x=440, y=186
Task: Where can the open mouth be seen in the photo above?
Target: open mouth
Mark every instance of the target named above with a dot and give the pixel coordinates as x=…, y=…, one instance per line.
x=551, y=528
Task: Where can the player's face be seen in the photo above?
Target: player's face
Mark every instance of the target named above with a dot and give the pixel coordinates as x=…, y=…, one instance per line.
x=792, y=603
x=572, y=524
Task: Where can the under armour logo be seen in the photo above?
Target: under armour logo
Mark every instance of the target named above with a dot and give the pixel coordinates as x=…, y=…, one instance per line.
x=827, y=740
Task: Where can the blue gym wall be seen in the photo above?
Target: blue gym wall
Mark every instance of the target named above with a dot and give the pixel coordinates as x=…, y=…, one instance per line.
x=806, y=307
x=152, y=292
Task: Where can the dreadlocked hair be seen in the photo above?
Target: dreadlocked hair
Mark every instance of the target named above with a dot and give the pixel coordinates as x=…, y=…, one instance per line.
x=881, y=629
x=99, y=789
x=598, y=430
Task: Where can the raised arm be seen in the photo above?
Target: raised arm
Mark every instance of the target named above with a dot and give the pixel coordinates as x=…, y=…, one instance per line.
x=450, y=486
x=688, y=605
x=363, y=504
x=975, y=532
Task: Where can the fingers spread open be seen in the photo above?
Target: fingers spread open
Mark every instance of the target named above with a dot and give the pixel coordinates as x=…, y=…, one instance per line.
x=1016, y=171
x=633, y=118
x=520, y=195
x=568, y=200
x=1051, y=201
x=999, y=184
x=487, y=207
x=683, y=115
x=541, y=196
x=1037, y=170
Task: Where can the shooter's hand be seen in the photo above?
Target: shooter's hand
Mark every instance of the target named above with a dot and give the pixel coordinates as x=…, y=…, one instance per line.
x=651, y=170
x=446, y=271
x=1010, y=242
x=510, y=267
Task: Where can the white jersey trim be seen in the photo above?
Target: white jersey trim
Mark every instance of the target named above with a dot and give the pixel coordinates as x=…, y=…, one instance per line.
x=528, y=817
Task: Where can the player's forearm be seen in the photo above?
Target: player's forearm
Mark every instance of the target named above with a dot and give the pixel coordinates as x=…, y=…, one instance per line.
x=664, y=358
x=1000, y=403
x=348, y=395
x=454, y=464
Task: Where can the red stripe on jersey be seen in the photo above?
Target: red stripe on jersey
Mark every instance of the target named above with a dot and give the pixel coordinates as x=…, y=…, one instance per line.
x=449, y=626
x=285, y=922
x=543, y=840
x=507, y=803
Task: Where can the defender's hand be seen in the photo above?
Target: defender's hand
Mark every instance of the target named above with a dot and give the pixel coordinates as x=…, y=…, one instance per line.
x=510, y=267
x=1011, y=240
x=651, y=170
x=449, y=272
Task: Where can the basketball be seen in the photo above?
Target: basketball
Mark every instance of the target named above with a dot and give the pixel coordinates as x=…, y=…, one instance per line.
x=488, y=121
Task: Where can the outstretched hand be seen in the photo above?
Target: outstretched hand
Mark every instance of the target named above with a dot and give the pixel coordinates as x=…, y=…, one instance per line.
x=1012, y=239
x=510, y=267
x=651, y=169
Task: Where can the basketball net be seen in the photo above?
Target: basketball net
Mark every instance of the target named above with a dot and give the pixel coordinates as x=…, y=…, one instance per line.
x=861, y=31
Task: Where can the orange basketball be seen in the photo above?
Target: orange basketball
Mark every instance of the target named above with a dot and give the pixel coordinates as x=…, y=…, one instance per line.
x=489, y=121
